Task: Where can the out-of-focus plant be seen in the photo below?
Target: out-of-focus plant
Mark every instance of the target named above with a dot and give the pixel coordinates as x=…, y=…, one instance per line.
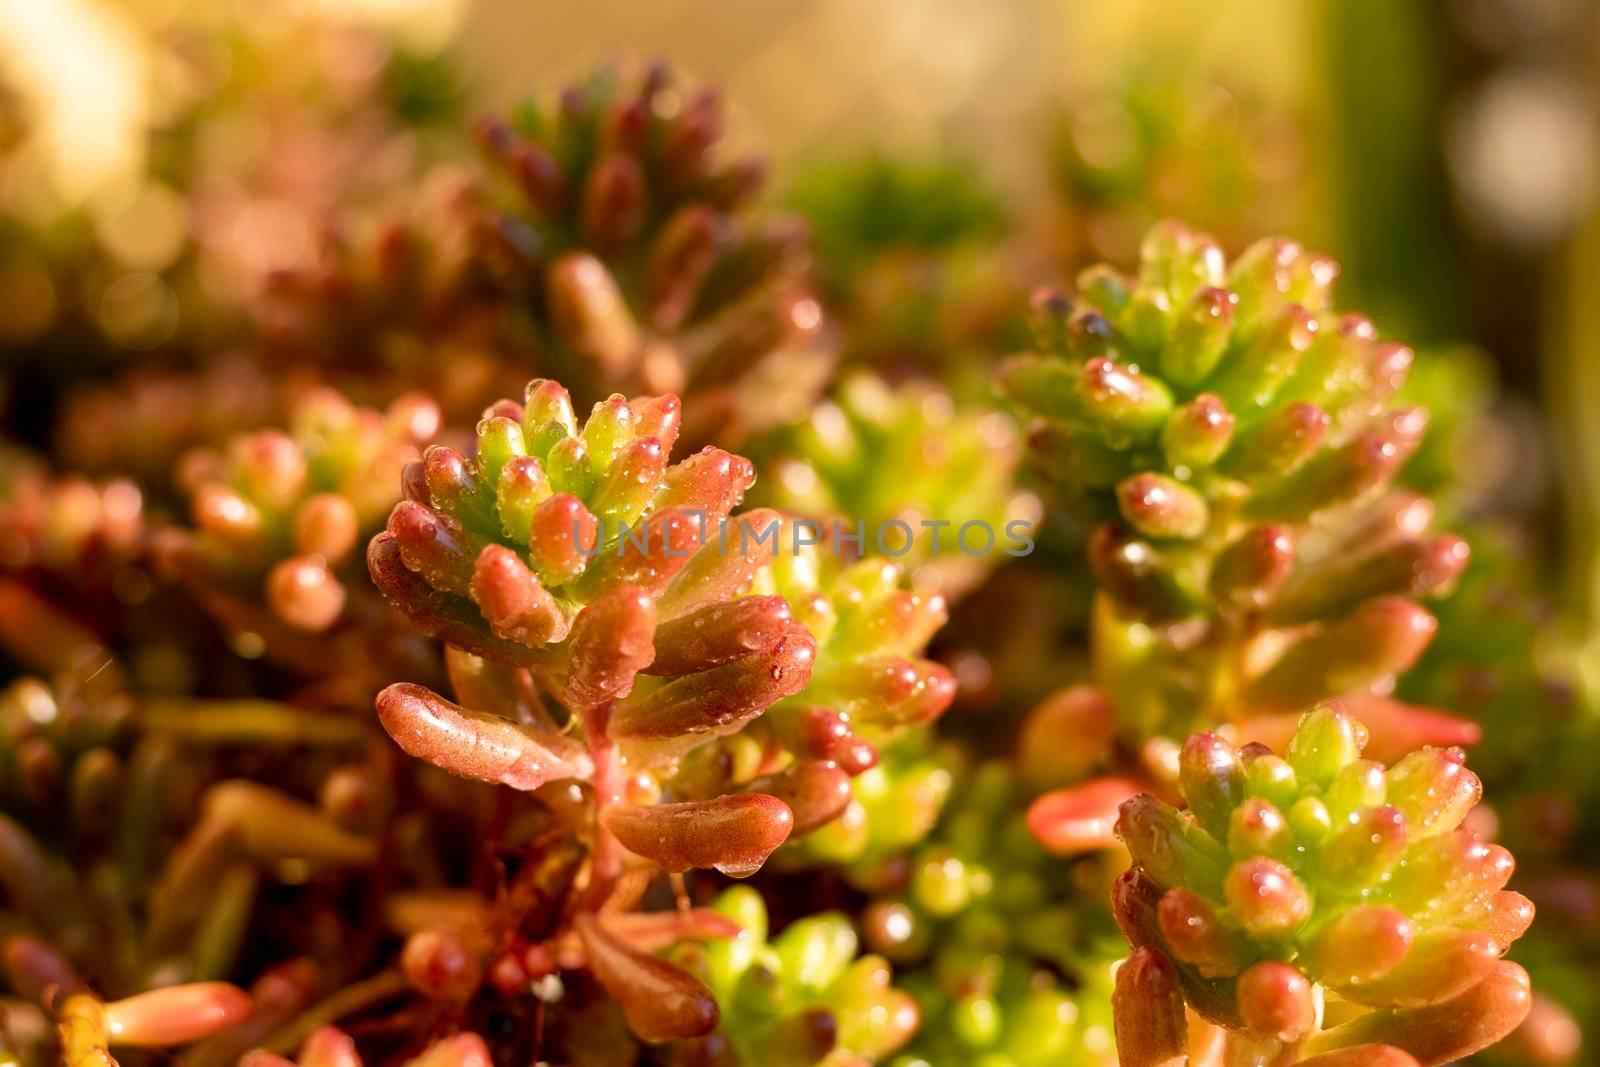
x=620, y=692
x=71, y=567
x=140, y=423
x=1155, y=145
x=880, y=463
x=876, y=205
x=919, y=271
x=976, y=915
x=244, y=133
x=279, y=518
x=610, y=242
x=68, y=525
x=1467, y=457
x=136, y=860
x=799, y=998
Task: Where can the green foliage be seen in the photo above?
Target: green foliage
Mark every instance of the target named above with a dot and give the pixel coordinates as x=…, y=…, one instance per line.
x=876, y=204
x=652, y=692
x=1159, y=142
x=1234, y=440
x=1317, y=867
x=803, y=996
x=881, y=461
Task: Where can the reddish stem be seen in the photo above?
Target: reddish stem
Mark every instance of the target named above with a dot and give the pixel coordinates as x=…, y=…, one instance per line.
x=606, y=865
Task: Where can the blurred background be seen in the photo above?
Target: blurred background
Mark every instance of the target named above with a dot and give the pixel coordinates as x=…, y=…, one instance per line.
x=165, y=164
x=1445, y=153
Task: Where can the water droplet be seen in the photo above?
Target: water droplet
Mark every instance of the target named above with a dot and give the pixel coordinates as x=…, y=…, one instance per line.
x=739, y=868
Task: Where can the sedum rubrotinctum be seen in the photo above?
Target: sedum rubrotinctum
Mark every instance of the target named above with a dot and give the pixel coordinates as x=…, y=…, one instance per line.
x=609, y=238
x=652, y=270
x=279, y=515
x=1318, y=907
x=798, y=998
x=724, y=686
x=934, y=482
x=1230, y=438
x=135, y=862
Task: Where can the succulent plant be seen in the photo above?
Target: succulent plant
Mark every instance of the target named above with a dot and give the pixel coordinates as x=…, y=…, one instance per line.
x=569, y=552
x=871, y=632
x=1232, y=438
x=916, y=267
x=656, y=274
x=1316, y=901
x=330, y=1045
x=610, y=244
x=1028, y=1017
x=605, y=694
x=278, y=517
x=1504, y=659
x=893, y=806
x=975, y=915
x=140, y=423
x=68, y=525
x=710, y=717
x=798, y=998
x=1234, y=444
x=883, y=463
x=135, y=857
x=71, y=564
x=980, y=921
x=1155, y=142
